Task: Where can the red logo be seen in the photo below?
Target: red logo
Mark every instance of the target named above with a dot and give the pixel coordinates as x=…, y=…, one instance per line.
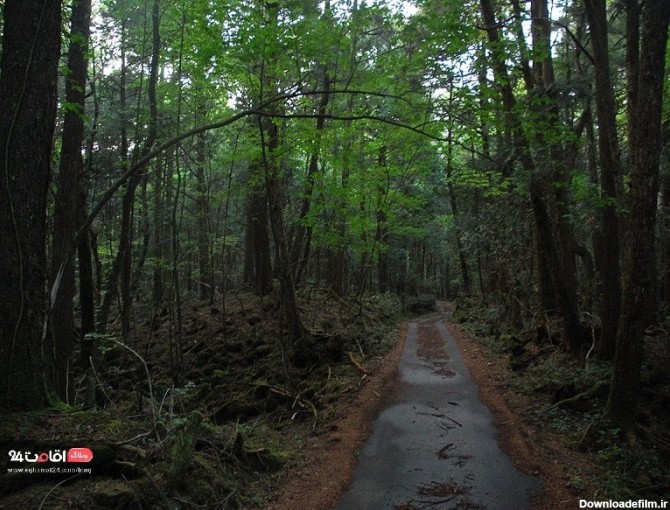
x=79, y=455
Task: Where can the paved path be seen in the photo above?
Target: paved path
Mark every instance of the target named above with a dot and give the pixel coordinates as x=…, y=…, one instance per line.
x=434, y=446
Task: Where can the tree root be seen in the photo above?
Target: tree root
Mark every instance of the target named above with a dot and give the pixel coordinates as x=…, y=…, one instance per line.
x=595, y=390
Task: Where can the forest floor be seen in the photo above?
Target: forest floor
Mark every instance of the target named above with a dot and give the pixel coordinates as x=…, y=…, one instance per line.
x=210, y=418
x=239, y=426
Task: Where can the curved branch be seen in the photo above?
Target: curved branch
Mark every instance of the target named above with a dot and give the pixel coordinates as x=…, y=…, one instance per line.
x=383, y=120
x=257, y=110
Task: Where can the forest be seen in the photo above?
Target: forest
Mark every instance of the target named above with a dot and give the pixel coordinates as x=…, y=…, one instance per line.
x=215, y=213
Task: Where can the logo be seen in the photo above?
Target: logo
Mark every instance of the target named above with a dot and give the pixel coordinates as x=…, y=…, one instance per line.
x=79, y=455
x=55, y=456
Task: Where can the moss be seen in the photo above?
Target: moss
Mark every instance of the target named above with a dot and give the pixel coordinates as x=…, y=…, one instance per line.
x=55, y=404
x=182, y=450
x=114, y=494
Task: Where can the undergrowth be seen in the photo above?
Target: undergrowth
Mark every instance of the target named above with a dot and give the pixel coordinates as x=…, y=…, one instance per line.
x=219, y=434
x=569, y=395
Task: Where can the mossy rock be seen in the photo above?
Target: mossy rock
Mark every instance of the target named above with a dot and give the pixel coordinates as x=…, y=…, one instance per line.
x=269, y=460
x=183, y=449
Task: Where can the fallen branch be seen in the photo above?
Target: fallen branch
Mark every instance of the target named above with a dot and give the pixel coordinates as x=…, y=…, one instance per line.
x=356, y=364
x=54, y=488
x=154, y=414
x=591, y=392
x=133, y=439
x=303, y=402
x=134, y=449
x=297, y=399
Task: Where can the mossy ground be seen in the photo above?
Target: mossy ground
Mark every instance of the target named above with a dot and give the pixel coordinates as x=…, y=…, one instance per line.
x=215, y=433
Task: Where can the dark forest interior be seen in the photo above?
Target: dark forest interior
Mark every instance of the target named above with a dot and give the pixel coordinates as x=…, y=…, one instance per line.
x=215, y=214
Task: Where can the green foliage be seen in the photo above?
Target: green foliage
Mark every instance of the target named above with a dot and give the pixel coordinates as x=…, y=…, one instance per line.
x=585, y=191
x=491, y=182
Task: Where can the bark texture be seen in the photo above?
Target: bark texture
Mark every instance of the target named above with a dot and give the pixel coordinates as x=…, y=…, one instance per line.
x=645, y=147
x=28, y=89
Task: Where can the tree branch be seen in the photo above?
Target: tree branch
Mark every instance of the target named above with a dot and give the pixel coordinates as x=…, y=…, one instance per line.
x=257, y=110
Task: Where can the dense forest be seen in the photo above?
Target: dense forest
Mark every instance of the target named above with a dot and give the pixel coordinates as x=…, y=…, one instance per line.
x=177, y=170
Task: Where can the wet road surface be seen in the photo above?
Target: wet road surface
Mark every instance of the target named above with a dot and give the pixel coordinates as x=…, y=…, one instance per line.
x=434, y=446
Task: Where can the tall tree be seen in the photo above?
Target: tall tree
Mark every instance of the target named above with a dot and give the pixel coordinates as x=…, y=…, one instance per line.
x=645, y=149
x=121, y=268
x=551, y=255
x=270, y=146
x=610, y=176
x=28, y=91
x=68, y=212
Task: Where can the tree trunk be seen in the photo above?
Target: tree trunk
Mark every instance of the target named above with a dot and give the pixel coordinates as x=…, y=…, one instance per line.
x=112, y=286
x=160, y=233
x=549, y=253
x=257, y=259
x=462, y=258
x=28, y=90
x=291, y=314
x=269, y=134
x=301, y=241
x=86, y=298
x=645, y=147
x=67, y=206
x=202, y=215
x=610, y=171
x=665, y=236
x=550, y=160
x=122, y=266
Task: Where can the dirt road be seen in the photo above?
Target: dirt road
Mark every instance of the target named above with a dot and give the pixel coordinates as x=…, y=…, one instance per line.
x=434, y=445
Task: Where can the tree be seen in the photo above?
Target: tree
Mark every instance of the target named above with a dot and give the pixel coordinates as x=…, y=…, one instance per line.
x=68, y=212
x=120, y=273
x=610, y=177
x=645, y=149
x=28, y=91
x=553, y=243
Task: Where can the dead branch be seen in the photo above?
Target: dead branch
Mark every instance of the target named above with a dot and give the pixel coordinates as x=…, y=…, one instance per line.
x=356, y=364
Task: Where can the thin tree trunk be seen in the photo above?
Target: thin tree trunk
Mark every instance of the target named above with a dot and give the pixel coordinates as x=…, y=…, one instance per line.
x=257, y=259
x=269, y=133
x=205, y=286
x=87, y=254
x=462, y=258
x=68, y=205
x=112, y=286
x=159, y=234
x=288, y=302
x=301, y=241
x=122, y=265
